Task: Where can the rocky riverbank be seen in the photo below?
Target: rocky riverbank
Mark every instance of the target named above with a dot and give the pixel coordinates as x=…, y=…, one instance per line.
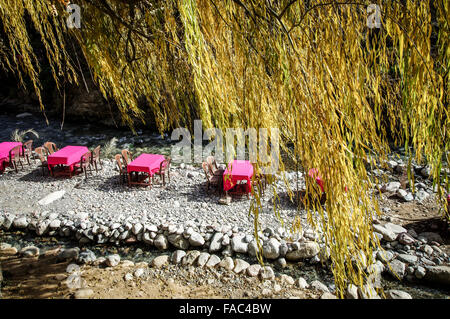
x=183, y=217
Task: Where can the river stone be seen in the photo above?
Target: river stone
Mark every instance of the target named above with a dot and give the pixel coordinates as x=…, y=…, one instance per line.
x=397, y=294
x=351, y=292
x=213, y=261
x=83, y=293
x=7, y=223
x=307, y=249
x=301, y=283
x=178, y=241
x=140, y=272
x=190, y=258
x=203, y=259
x=317, y=285
x=50, y=198
x=177, y=256
x=160, y=261
x=196, y=239
x=239, y=245
x=227, y=263
x=385, y=255
x=240, y=265
x=438, y=274
x=266, y=273
x=161, y=242
x=69, y=253
x=286, y=279
x=391, y=187
x=396, y=229
x=406, y=196
x=397, y=269
x=216, y=242
x=20, y=222
x=420, y=272
x=252, y=248
x=405, y=239
x=409, y=259
x=42, y=227
x=4, y=246
x=29, y=251
x=86, y=257
x=253, y=270
x=271, y=249
x=55, y=224
x=368, y=292
x=388, y=234
x=137, y=228
x=112, y=260
x=128, y=277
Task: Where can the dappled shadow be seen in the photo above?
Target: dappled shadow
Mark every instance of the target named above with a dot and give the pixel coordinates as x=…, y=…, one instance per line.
x=435, y=224
x=34, y=277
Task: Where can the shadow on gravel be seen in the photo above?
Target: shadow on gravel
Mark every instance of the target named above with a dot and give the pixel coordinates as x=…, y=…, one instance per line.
x=34, y=277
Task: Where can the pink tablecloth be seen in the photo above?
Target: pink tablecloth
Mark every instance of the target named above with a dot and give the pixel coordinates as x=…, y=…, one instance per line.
x=314, y=173
x=5, y=147
x=147, y=163
x=238, y=171
x=69, y=155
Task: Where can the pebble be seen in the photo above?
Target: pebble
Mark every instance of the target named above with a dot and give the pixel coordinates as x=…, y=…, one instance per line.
x=317, y=285
x=112, y=260
x=286, y=279
x=301, y=283
x=190, y=258
x=253, y=270
x=203, y=259
x=213, y=261
x=160, y=261
x=351, y=292
x=266, y=273
x=29, y=251
x=307, y=249
x=240, y=265
x=227, y=263
x=177, y=256
x=397, y=294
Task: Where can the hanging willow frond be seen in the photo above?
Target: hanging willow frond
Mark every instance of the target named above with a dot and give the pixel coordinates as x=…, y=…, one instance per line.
x=339, y=92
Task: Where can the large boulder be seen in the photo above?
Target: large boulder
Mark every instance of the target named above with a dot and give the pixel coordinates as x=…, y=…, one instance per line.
x=307, y=249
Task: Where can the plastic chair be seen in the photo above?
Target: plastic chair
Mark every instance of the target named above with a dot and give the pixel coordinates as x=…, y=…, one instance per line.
x=123, y=173
x=50, y=147
x=96, y=158
x=27, y=150
x=40, y=151
x=164, y=167
x=14, y=157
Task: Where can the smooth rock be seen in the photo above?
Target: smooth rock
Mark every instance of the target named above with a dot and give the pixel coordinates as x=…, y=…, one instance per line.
x=20, y=222
x=317, y=285
x=161, y=242
x=112, y=260
x=160, y=261
x=190, y=258
x=239, y=245
x=178, y=241
x=301, y=283
x=397, y=269
x=227, y=263
x=271, y=249
x=196, y=239
x=351, y=292
x=50, y=198
x=177, y=256
x=213, y=261
x=253, y=270
x=30, y=251
x=216, y=242
x=266, y=273
x=240, y=265
x=203, y=259
x=397, y=294
x=307, y=249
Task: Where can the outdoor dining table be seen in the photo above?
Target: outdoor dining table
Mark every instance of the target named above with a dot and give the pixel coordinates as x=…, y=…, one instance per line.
x=147, y=164
x=68, y=156
x=236, y=171
x=5, y=148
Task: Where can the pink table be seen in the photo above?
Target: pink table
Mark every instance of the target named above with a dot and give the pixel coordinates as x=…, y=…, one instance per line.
x=69, y=156
x=145, y=163
x=5, y=148
x=238, y=171
x=314, y=173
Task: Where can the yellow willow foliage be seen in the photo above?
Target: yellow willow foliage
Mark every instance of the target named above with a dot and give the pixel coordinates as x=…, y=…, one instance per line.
x=336, y=90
